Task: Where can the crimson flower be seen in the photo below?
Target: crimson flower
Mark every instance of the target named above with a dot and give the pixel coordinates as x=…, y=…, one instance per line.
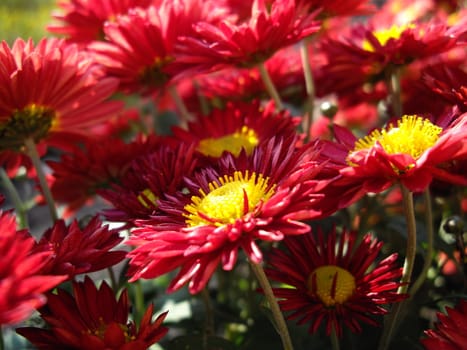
x=50, y=88
x=75, y=251
x=93, y=319
x=334, y=281
x=83, y=20
x=450, y=332
x=411, y=150
x=238, y=126
x=149, y=178
x=227, y=207
x=22, y=284
x=340, y=7
x=79, y=174
x=248, y=43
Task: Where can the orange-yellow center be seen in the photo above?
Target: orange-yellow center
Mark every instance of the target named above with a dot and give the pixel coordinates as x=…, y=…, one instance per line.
x=384, y=35
x=245, y=138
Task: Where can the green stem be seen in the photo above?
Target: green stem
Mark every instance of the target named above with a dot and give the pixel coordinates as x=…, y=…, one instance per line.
x=202, y=99
x=113, y=280
x=429, y=251
x=185, y=116
x=2, y=343
x=139, y=301
x=279, y=321
x=334, y=339
x=391, y=321
x=209, y=311
x=394, y=86
x=310, y=88
x=20, y=208
x=271, y=89
x=31, y=150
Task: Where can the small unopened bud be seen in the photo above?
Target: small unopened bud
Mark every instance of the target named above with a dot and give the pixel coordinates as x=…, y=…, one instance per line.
x=454, y=225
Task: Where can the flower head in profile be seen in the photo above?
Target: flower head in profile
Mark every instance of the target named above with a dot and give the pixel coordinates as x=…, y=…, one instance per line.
x=227, y=207
x=450, y=331
x=22, y=284
x=76, y=250
x=93, y=319
x=334, y=281
x=48, y=89
x=236, y=127
x=412, y=151
x=248, y=43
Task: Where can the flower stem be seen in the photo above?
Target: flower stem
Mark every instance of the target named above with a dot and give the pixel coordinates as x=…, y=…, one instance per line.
x=394, y=86
x=139, y=301
x=280, y=325
x=113, y=280
x=310, y=88
x=391, y=321
x=31, y=150
x=208, y=310
x=271, y=89
x=185, y=116
x=2, y=343
x=334, y=339
x=429, y=251
x=20, y=208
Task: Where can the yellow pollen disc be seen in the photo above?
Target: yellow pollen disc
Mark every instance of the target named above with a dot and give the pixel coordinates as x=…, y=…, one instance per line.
x=384, y=35
x=413, y=135
x=228, y=199
x=331, y=284
x=147, y=198
x=244, y=138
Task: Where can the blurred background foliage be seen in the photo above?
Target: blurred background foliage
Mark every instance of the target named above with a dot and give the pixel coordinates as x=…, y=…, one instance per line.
x=24, y=18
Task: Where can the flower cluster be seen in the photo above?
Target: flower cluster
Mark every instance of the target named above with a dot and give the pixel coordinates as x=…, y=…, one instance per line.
x=310, y=153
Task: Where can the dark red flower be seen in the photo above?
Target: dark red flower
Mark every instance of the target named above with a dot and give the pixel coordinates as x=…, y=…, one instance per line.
x=231, y=206
x=22, y=284
x=93, y=319
x=83, y=20
x=450, y=332
x=334, y=281
x=48, y=89
x=76, y=250
x=248, y=43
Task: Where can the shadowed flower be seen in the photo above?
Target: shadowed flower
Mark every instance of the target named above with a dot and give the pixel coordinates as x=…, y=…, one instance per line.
x=411, y=150
x=75, y=251
x=225, y=208
x=450, y=332
x=80, y=173
x=334, y=281
x=238, y=126
x=50, y=88
x=83, y=20
x=93, y=319
x=250, y=42
x=22, y=284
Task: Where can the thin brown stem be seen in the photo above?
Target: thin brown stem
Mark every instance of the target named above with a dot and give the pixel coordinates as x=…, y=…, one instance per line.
x=185, y=116
x=271, y=89
x=310, y=88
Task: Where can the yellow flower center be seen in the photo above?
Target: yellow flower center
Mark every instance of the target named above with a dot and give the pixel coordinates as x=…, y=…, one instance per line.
x=413, y=135
x=234, y=143
x=228, y=199
x=384, y=35
x=32, y=121
x=147, y=198
x=331, y=284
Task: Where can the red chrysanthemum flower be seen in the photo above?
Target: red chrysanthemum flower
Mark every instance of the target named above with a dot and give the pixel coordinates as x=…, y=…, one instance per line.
x=140, y=45
x=78, y=175
x=22, y=284
x=451, y=330
x=93, y=319
x=340, y=7
x=334, y=281
x=368, y=53
x=50, y=88
x=76, y=250
x=248, y=43
x=83, y=20
x=148, y=179
x=228, y=207
x=239, y=126
x=412, y=151
x=450, y=83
